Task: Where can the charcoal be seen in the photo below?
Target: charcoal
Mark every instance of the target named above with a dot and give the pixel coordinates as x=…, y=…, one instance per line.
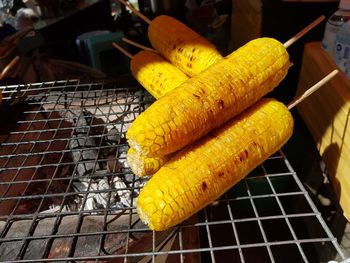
x=81, y=185
x=122, y=152
x=130, y=178
x=113, y=136
x=76, y=135
x=80, y=144
x=113, y=165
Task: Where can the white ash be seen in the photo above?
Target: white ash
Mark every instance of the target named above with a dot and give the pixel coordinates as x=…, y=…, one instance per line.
x=124, y=194
x=97, y=200
x=102, y=193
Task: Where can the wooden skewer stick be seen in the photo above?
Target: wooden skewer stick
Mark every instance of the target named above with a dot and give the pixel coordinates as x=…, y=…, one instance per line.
x=311, y=90
x=286, y=44
x=126, y=53
x=138, y=45
x=303, y=32
x=136, y=12
x=9, y=66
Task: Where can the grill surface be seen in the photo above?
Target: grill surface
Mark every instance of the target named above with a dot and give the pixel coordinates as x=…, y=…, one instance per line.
x=66, y=193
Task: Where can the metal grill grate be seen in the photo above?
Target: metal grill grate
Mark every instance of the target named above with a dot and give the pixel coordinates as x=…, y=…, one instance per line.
x=66, y=193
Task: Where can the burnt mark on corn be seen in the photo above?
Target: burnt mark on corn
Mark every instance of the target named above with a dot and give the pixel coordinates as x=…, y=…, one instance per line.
x=243, y=155
x=202, y=91
x=189, y=65
x=237, y=161
x=221, y=174
x=204, y=186
x=196, y=96
x=257, y=145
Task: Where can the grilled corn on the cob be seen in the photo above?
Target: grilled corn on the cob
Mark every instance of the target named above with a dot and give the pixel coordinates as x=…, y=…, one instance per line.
x=206, y=101
x=156, y=74
x=183, y=47
x=203, y=171
x=142, y=165
x=158, y=77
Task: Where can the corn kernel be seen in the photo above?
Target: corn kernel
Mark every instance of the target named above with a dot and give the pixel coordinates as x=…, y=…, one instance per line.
x=223, y=99
x=193, y=188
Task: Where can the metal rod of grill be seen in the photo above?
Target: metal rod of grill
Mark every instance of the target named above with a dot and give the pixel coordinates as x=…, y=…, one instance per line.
x=67, y=194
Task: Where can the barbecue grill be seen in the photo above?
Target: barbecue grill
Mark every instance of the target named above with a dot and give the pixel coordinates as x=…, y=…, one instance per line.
x=67, y=194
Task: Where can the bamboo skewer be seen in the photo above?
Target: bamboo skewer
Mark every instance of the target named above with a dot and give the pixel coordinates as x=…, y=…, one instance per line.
x=287, y=44
x=126, y=53
x=8, y=67
x=138, y=45
x=311, y=90
x=291, y=105
x=303, y=32
x=136, y=12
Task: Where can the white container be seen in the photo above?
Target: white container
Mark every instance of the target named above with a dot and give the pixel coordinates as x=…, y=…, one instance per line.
x=341, y=49
x=334, y=23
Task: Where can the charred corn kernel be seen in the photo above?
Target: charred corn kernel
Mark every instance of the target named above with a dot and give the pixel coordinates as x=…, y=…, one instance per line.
x=142, y=165
x=183, y=47
x=203, y=171
x=155, y=74
x=208, y=100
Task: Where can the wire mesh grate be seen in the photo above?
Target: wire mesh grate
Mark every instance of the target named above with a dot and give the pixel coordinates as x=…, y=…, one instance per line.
x=66, y=193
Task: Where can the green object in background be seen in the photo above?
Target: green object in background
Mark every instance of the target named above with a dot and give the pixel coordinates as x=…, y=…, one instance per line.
x=103, y=56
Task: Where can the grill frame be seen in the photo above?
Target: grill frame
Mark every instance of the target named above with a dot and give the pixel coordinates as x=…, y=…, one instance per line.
x=69, y=95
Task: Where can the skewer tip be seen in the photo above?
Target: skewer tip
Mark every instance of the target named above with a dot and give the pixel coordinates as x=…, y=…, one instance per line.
x=135, y=11
x=311, y=90
x=305, y=30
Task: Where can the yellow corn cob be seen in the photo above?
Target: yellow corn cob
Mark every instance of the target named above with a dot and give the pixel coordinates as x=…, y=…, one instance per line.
x=208, y=100
x=156, y=74
x=202, y=172
x=183, y=47
x=158, y=77
x=142, y=165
